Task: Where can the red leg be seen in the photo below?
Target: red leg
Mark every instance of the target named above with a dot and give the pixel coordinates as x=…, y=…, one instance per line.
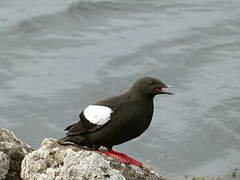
x=132, y=160
x=123, y=157
x=109, y=153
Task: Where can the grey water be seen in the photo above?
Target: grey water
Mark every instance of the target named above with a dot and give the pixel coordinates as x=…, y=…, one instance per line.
x=57, y=56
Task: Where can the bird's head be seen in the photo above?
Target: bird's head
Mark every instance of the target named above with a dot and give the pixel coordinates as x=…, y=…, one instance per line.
x=149, y=87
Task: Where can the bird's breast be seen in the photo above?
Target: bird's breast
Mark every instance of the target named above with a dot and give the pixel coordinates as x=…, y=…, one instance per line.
x=136, y=119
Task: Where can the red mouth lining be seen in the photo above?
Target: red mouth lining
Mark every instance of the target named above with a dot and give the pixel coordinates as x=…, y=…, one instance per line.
x=162, y=91
x=159, y=89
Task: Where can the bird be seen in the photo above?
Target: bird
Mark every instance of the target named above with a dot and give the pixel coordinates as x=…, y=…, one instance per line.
x=117, y=119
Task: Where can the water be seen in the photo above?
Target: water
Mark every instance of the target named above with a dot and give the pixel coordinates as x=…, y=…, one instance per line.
x=58, y=56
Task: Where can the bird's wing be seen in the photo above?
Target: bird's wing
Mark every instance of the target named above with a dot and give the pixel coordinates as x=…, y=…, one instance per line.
x=91, y=118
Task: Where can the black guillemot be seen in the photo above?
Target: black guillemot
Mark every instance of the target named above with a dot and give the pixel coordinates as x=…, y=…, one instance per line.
x=118, y=119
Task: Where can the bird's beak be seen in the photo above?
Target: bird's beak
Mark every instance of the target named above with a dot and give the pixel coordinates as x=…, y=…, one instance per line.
x=161, y=90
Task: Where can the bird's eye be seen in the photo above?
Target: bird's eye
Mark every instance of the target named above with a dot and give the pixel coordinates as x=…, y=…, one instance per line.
x=150, y=82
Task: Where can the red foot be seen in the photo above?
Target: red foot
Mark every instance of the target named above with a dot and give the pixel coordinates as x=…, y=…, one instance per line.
x=123, y=157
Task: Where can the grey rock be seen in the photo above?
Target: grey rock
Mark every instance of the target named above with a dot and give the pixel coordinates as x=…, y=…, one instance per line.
x=4, y=165
x=236, y=173
x=12, y=152
x=60, y=162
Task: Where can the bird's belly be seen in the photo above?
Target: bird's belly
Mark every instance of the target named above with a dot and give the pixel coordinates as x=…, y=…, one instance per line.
x=118, y=134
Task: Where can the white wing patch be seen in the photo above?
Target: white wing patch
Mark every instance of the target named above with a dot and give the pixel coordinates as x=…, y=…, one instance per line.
x=97, y=114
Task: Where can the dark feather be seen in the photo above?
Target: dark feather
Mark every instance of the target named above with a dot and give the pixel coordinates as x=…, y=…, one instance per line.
x=81, y=127
x=67, y=128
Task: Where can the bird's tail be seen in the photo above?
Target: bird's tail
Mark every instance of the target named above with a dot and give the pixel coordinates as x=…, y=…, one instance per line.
x=67, y=140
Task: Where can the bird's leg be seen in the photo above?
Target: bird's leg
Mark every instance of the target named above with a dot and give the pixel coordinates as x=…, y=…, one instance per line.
x=121, y=156
x=130, y=159
x=110, y=153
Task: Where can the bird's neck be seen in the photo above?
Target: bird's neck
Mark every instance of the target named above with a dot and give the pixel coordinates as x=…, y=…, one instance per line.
x=140, y=97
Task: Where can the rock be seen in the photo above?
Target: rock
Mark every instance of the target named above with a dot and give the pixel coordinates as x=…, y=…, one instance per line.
x=12, y=152
x=54, y=161
x=207, y=178
x=236, y=173
x=60, y=162
x=4, y=165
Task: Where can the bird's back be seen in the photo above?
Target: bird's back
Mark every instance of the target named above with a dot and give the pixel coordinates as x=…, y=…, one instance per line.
x=130, y=118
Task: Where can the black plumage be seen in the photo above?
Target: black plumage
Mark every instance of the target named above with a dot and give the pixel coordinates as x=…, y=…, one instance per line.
x=131, y=115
